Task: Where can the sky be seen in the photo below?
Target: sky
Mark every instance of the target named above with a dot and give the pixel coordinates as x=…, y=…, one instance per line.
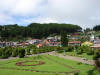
x=85, y=13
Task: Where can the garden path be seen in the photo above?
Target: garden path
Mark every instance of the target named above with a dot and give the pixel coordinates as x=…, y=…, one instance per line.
x=83, y=60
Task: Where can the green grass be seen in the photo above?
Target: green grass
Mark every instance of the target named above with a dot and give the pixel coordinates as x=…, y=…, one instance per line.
x=48, y=66
x=84, y=68
x=84, y=55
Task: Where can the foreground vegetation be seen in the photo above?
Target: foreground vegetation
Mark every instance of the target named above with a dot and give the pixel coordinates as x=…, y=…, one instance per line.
x=82, y=51
x=53, y=66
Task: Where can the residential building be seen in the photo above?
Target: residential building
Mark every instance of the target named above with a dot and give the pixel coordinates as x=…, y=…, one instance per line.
x=34, y=41
x=74, y=43
x=4, y=44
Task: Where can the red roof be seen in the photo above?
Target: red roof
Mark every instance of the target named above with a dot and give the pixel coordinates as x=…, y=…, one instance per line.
x=40, y=45
x=55, y=42
x=76, y=34
x=97, y=41
x=96, y=46
x=78, y=42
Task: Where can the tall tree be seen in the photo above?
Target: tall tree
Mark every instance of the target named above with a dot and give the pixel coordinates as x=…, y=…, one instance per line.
x=96, y=28
x=64, y=39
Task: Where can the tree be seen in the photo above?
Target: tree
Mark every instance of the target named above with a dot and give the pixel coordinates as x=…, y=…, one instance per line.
x=87, y=30
x=96, y=28
x=79, y=51
x=21, y=52
x=64, y=39
x=35, y=30
x=97, y=60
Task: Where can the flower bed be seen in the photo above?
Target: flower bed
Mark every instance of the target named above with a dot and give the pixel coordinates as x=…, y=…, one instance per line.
x=21, y=63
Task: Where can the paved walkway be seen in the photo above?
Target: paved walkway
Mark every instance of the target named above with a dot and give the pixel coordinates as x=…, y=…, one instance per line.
x=10, y=58
x=83, y=60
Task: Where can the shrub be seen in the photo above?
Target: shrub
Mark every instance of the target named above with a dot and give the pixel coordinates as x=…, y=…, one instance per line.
x=28, y=51
x=79, y=63
x=21, y=52
x=5, y=52
x=15, y=52
x=70, y=48
x=76, y=73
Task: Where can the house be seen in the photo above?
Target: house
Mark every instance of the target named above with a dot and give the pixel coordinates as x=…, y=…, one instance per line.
x=96, y=44
x=39, y=45
x=4, y=44
x=51, y=39
x=91, y=32
x=9, y=43
x=34, y=41
x=58, y=38
x=74, y=43
x=54, y=44
x=75, y=36
x=92, y=38
x=23, y=44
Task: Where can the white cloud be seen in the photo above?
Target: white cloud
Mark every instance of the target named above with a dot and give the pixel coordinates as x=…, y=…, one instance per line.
x=26, y=7
x=82, y=12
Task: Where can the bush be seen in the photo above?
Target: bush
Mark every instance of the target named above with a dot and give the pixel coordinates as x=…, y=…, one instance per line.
x=79, y=63
x=21, y=52
x=96, y=55
x=76, y=73
x=70, y=48
x=90, y=52
x=28, y=51
x=15, y=52
x=5, y=52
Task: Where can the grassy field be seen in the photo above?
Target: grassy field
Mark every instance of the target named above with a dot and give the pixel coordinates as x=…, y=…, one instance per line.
x=53, y=66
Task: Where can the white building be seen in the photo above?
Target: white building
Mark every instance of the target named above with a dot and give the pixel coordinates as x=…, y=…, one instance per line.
x=33, y=41
x=92, y=38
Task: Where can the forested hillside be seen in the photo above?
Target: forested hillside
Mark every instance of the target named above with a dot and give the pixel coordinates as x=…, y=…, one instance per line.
x=96, y=28
x=35, y=30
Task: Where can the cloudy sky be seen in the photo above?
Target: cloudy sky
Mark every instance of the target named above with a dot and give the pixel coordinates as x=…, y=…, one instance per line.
x=85, y=13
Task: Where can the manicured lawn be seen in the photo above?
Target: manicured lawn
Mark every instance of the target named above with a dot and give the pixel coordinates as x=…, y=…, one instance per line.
x=84, y=55
x=54, y=65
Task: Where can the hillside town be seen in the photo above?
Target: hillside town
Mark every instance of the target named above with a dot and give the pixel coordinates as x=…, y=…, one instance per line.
x=49, y=37
x=74, y=40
